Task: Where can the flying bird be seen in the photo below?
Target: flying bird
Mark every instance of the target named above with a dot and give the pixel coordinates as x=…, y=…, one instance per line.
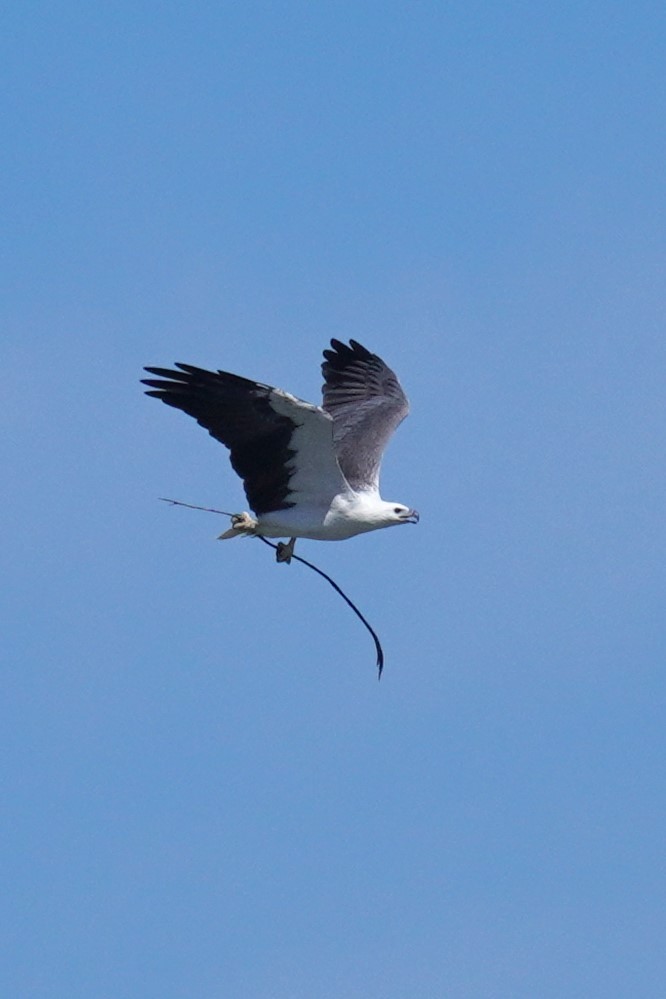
x=308, y=471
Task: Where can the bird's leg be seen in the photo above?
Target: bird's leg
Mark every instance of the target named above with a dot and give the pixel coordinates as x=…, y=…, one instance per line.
x=241, y=523
x=284, y=551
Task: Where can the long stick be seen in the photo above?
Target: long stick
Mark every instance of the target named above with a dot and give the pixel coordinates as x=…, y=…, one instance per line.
x=380, y=651
x=320, y=572
x=191, y=506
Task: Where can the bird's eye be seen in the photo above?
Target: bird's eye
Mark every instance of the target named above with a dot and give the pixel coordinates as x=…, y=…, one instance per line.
x=397, y=509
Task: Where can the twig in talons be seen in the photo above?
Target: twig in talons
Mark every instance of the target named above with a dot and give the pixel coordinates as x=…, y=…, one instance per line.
x=378, y=647
x=320, y=572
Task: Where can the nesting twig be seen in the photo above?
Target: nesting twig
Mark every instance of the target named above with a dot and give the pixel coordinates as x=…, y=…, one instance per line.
x=320, y=572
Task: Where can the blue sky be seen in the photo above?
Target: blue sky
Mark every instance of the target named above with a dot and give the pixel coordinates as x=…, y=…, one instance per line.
x=206, y=791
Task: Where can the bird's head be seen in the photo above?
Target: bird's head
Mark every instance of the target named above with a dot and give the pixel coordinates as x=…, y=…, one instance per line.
x=398, y=513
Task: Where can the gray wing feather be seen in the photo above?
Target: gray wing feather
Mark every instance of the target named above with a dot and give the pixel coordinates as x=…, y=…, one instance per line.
x=366, y=402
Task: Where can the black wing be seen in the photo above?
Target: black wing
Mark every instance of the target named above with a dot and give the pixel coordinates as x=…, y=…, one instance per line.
x=238, y=413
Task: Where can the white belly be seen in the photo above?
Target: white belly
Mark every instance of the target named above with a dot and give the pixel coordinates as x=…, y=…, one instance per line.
x=341, y=521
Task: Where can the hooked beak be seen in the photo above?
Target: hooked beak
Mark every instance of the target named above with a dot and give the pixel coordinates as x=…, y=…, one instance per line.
x=412, y=517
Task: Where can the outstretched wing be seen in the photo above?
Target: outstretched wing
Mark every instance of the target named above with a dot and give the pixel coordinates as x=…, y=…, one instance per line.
x=281, y=447
x=366, y=402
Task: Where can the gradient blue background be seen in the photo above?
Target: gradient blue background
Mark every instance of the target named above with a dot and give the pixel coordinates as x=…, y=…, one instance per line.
x=206, y=792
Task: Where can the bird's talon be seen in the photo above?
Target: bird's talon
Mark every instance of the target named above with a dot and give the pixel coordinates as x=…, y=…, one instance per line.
x=243, y=521
x=284, y=551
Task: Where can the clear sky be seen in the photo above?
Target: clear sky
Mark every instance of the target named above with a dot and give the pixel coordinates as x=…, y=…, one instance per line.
x=206, y=792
